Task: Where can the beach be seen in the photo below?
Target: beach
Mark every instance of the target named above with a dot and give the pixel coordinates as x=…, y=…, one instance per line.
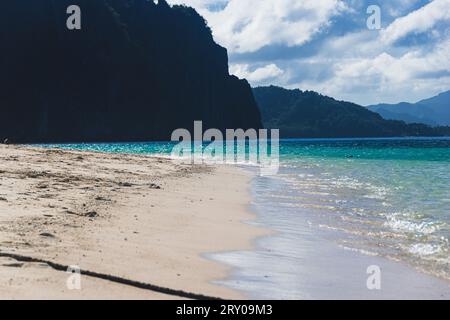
x=131, y=219
x=140, y=225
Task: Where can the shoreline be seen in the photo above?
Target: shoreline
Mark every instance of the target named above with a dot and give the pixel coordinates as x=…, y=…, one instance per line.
x=303, y=260
x=150, y=221
x=136, y=217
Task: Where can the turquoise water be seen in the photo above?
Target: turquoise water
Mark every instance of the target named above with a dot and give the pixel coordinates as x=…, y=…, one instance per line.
x=387, y=197
x=383, y=197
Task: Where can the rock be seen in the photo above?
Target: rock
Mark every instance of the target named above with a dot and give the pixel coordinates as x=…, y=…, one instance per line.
x=91, y=214
x=102, y=199
x=161, y=72
x=125, y=184
x=13, y=265
x=47, y=235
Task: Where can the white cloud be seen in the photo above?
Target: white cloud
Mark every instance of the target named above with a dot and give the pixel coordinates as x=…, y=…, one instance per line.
x=354, y=64
x=249, y=25
x=421, y=20
x=258, y=75
x=386, y=78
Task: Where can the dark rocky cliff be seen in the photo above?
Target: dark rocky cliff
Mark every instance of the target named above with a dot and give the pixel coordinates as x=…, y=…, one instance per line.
x=135, y=71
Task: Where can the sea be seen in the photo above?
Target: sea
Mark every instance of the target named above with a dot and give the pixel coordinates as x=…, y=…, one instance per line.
x=374, y=201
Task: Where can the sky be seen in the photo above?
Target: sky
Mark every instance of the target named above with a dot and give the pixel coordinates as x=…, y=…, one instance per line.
x=327, y=46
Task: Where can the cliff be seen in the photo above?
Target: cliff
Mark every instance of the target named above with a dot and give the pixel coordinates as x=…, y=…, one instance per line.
x=135, y=71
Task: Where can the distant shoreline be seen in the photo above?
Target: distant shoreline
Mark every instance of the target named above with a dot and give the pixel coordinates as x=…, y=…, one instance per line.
x=49, y=143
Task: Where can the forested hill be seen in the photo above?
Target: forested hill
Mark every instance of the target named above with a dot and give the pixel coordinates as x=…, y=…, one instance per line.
x=307, y=114
x=135, y=71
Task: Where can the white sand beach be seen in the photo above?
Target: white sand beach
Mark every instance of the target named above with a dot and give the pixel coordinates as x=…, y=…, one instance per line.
x=142, y=227
x=137, y=218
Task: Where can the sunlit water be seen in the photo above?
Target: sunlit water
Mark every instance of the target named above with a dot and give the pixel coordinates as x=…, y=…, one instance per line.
x=384, y=197
x=394, y=194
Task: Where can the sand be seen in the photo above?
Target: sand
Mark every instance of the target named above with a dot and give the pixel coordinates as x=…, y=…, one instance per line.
x=135, y=218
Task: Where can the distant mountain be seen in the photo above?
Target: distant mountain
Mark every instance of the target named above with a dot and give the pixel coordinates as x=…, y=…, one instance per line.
x=307, y=114
x=434, y=111
x=414, y=113
x=135, y=71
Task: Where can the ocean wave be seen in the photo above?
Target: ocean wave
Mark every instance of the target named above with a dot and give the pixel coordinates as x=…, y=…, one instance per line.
x=425, y=249
x=361, y=251
x=402, y=222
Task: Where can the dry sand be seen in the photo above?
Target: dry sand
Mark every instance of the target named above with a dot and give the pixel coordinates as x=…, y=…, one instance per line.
x=139, y=218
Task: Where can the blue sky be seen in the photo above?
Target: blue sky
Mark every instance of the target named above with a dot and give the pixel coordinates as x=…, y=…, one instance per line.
x=326, y=46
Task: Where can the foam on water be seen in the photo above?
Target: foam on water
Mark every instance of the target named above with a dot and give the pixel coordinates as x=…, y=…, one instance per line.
x=425, y=249
x=406, y=222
